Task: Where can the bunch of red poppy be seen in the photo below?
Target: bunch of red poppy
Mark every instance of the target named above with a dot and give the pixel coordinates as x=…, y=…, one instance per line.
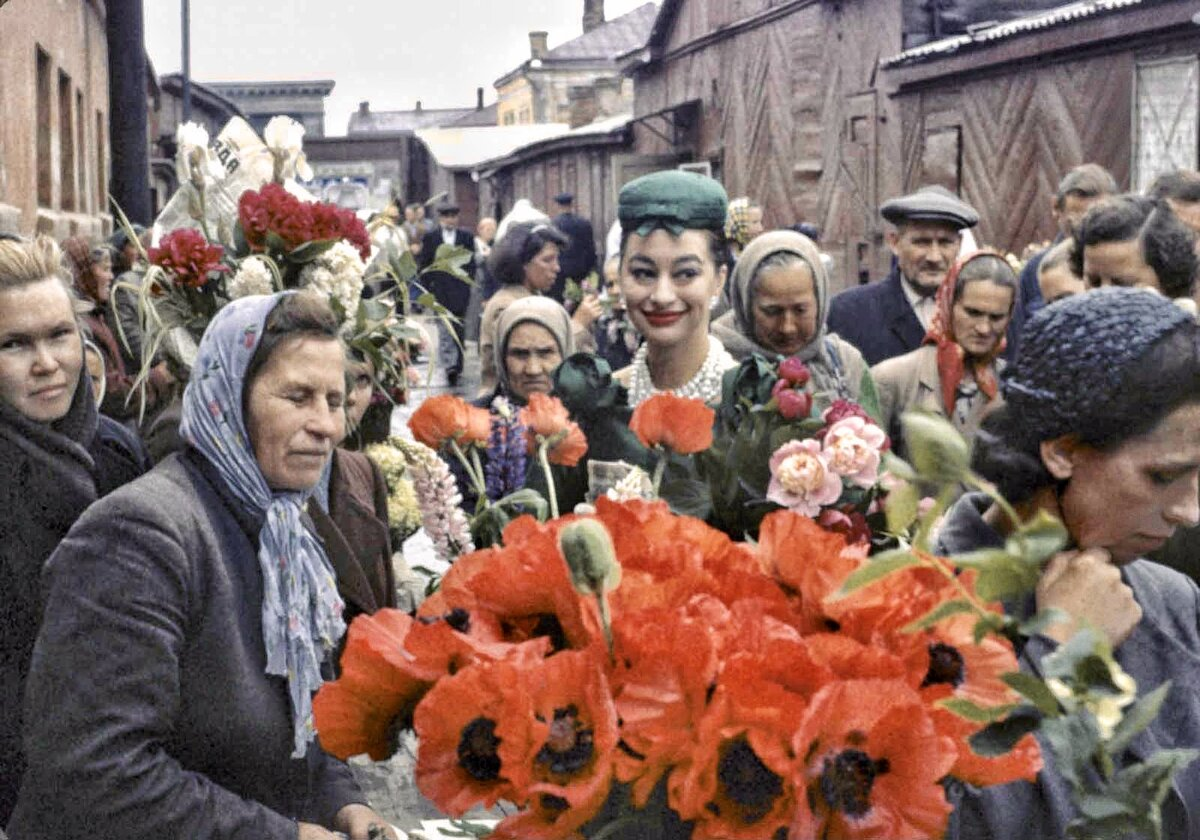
x=737, y=682
x=188, y=257
x=274, y=210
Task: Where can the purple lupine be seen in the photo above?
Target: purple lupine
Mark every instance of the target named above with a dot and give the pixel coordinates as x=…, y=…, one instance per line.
x=515, y=454
x=493, y=470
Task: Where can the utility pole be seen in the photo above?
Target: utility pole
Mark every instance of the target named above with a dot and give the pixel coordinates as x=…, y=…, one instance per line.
x=127, y=109
x=185, y=8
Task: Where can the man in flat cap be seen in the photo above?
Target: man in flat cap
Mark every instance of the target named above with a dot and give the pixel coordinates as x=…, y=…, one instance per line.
x=890, y=318
x=578, y=259
x=450, y=291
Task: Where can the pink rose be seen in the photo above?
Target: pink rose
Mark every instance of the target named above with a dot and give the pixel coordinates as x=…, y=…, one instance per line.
x=801, y=479
x=852, y=448
x=793, y=404
x=794, y=371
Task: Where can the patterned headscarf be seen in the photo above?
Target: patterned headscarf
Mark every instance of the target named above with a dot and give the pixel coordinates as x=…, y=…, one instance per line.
x=737, y=222
x=950, y=354
x=301, y=611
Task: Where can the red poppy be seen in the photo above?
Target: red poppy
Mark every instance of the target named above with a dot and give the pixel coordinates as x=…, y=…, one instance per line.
x=661, y=692
x=882, y=608
x=573, y=731
x=737, y=782
x=808, y=559
x=376, y=692
x=948, y=663
x=188, y=257
x=547, y=418
x=680, y=424
x=446, y=417
x=476, y=739
x=869, y=765
x=524, y=589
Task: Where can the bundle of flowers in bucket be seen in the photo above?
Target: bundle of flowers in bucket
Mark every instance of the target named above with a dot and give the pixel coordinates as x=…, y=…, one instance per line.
x=635, y=673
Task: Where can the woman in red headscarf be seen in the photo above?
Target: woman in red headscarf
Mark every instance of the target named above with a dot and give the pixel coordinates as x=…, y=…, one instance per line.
x=954, y=373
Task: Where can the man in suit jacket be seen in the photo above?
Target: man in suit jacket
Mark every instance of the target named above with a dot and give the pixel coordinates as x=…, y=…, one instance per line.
x=450, y=291
x=890, y=318
x=578, y=259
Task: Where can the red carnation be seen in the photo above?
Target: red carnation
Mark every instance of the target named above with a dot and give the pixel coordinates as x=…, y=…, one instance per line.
x=188, y=257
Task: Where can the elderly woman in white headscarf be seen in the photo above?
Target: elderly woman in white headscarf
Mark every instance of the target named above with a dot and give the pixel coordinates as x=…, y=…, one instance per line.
x=780, y=302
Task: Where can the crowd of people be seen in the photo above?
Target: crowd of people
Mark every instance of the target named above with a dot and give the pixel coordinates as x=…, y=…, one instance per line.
x=166, y=619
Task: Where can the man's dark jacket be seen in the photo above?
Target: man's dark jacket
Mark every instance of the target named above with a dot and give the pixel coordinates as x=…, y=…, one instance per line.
x=578, y=259
x=450, y=291
x=877, y=319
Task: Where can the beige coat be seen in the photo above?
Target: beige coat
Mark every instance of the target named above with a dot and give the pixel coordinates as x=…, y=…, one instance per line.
x=492, y=311
x=911, y=383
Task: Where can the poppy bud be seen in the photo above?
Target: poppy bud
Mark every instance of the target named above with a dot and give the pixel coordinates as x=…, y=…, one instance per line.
x=794, y=371
x=793, y=404
x=591, y=558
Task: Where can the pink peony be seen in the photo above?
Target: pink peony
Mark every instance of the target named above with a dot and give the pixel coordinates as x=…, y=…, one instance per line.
x=852, y=447
x=794, y=371
x=801, y=479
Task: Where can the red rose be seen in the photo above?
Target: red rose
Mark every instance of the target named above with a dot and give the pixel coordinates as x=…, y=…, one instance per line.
x=794, y=371
x=841, y=409
x=793, y=404
x=188, y=257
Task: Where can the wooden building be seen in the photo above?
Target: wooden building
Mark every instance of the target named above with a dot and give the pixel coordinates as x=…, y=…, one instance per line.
x=1002, y=113
x=781, y=101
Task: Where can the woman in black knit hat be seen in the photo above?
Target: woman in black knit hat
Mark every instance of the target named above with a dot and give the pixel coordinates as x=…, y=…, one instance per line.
x=1100, y=428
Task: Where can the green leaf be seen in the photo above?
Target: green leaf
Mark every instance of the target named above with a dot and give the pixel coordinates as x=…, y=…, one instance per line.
x=879, y=566
x=309, y=251
x=1044, y=536
x=1000, y=737
x=988, y=624
x=973, y=711
x=1074, y=740
x=935, y=449
x=1137, y=717
x=1043, y=619
x=901, y=505
x=1063, y=662
x=1000, y=574
x=941, y=611
x=1100, y=807
x=868, y=397
x=1034, y=690
x=687, y=497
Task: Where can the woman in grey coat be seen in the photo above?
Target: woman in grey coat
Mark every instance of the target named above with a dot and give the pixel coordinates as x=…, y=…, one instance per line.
x=191, y=614
x=1101, y=428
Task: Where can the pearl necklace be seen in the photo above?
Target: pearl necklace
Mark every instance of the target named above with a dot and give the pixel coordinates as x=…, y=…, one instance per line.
x=704, y=385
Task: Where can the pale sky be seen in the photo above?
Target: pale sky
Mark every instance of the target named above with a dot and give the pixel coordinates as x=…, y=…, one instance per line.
x=391, y=52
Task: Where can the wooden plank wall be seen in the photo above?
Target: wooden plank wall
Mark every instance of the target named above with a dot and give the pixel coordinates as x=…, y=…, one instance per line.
x=775, y=106
x=1021, y=131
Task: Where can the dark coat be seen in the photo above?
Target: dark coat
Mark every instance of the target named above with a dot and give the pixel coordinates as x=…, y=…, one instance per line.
x=578, y=259
x=877, y=319
x=50, y=475
x=1165, y=645
x=151, y=657
x=355, y=534
x=450, y=291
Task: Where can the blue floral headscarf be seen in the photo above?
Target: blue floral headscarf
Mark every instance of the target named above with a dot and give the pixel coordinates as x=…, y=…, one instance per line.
x=302, y=612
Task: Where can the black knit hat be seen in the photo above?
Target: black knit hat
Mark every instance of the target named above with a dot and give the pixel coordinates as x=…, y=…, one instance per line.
x=1074, y=355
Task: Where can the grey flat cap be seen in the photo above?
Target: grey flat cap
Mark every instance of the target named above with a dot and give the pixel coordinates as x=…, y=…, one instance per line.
x=930, y=204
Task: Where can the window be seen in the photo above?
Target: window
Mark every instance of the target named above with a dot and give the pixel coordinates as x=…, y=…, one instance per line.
x=45, y=178
x=66, y=143
x=1165, y=118
x=81, y=146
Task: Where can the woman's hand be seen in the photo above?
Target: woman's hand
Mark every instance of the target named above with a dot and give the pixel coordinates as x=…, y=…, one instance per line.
x=362, y=823
x=1087, y=586
x=311, y=831
x=588, y=310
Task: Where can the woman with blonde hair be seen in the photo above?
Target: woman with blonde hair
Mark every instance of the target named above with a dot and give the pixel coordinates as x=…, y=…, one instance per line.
x=59, y=455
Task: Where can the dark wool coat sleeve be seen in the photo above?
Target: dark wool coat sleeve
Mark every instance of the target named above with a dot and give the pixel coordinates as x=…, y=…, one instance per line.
x=148, y=712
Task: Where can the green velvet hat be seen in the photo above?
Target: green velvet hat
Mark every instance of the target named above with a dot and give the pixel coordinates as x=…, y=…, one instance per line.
x=674, y=200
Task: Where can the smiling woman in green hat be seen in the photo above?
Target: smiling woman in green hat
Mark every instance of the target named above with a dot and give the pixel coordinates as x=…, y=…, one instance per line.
x=672, y=266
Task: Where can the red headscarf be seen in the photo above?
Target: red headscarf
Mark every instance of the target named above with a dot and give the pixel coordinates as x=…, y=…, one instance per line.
x=950, y=355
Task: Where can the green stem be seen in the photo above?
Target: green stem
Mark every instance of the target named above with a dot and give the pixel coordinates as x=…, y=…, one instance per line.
x=544, y=460
x=659, y=469
x=606, y=622
x=476, y=476
x=610, y=830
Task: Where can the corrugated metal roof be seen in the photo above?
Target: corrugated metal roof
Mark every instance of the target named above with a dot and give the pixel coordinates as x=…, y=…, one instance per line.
x=1031, y=23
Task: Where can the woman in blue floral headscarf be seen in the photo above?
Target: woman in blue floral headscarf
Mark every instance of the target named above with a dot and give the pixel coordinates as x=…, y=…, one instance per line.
x=190, y=616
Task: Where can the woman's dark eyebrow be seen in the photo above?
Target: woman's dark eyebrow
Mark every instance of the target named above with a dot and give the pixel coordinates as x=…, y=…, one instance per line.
x=686, y=258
